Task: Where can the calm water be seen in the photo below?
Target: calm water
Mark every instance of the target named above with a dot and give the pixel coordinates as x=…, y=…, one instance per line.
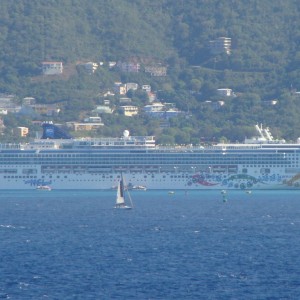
x=74, y=245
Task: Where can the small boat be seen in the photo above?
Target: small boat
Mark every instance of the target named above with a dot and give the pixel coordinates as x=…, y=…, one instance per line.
x=120, y=200
x=171, y=192
x=248, y=192
x=43, y=188
x=139, y=188
x=223, y=192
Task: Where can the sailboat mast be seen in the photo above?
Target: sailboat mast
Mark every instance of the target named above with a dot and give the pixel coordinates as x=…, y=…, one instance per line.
x=131, y=203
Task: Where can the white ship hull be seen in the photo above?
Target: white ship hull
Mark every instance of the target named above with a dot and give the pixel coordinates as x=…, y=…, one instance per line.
x=163, y=180
x=99, y=163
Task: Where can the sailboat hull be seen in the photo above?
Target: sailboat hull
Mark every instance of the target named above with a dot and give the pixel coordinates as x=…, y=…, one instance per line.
x=123, y=207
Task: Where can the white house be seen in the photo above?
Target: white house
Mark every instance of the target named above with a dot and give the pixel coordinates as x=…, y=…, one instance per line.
x=225, y=92
x=52, y=67
x=154, y=107
x=220, y=45
x=93, y=120
x=131, y=86
x=146, y=88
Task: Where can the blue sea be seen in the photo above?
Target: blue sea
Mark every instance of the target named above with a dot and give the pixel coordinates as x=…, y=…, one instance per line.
x=75, y=245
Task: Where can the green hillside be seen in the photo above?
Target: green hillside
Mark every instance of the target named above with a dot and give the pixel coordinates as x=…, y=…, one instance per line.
x=263, y=64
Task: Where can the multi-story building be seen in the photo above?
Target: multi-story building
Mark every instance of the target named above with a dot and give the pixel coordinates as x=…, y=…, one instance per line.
x=129, y=110
x=85, y=126
x=220, y=45
x=131, y=67
x=21, y=131
x=52, y=67
x=156, y=70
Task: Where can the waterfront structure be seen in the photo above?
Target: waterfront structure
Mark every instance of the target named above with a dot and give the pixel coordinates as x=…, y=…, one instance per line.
x=87, y=163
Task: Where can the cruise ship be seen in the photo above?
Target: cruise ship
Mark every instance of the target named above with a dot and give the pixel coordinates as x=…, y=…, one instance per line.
x=61, y=162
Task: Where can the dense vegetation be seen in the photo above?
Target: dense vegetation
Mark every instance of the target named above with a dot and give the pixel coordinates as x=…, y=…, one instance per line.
x=264, y=63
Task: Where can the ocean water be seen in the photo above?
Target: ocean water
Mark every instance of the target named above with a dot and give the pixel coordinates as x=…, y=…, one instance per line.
x=74, y=245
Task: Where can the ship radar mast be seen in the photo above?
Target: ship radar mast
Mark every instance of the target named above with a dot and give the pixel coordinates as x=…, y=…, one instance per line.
x=126, y=134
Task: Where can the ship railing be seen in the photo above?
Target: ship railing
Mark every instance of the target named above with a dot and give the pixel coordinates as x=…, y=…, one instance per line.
x=223, y=147
x=11, y=146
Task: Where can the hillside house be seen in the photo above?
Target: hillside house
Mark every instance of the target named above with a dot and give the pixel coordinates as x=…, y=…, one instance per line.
x=91, y=67
x=120, y=88
x=52, y=67
x=28, y=101
x=3, y=111
x=85, y=126
x=129, y=110
x=225, y=92
x=125, y=100
x=111, y=64
x=93, y=120
x=129, y=67
x=131, y=86
x=156, y=70
x=21, y=131
x=215, y=105
x=269, y=102
x=146, y=88
x=40, y=109
x=154, y=107
x=7, y=103
x=102, y=109
x=161, y=111
x=108, y=94
x=220, y=45
x=151, y=96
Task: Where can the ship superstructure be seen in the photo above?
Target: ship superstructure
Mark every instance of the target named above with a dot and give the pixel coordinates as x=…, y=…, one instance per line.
x=259, y=163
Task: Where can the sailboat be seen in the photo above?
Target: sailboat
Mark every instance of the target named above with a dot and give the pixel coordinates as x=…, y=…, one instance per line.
x=120, y=200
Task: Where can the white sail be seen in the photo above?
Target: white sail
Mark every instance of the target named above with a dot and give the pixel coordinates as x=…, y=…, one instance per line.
x=120, y=200
x=120, y=193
